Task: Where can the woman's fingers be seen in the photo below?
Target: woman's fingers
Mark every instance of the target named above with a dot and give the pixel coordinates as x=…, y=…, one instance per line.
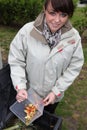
x=21, y=95
x=49, y=99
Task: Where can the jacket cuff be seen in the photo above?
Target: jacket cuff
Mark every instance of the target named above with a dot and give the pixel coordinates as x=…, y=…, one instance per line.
x=56, y=91
x=20, y=86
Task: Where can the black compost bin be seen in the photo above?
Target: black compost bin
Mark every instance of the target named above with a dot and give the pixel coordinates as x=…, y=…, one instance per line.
x=49, y=122
x=46, y=122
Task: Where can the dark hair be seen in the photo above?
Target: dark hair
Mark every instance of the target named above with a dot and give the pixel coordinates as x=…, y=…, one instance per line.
x=65, y=6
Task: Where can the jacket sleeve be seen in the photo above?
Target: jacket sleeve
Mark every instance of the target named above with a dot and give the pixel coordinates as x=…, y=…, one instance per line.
x=72, y=71
x=16, y=59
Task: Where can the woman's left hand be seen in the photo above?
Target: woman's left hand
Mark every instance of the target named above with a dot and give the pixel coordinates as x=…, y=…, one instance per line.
x=49, y=99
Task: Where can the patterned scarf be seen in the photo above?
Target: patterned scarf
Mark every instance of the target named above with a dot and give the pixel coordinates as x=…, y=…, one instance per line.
x=52, y=38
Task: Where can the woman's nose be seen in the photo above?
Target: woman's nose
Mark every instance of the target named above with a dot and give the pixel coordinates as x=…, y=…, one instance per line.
x=57, y=18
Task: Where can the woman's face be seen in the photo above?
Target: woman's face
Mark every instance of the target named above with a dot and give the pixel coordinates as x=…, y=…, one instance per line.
x=55, y=20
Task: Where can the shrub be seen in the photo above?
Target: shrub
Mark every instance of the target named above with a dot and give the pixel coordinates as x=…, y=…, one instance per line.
x=19, y=11
x=79, y=19
x=80, y=25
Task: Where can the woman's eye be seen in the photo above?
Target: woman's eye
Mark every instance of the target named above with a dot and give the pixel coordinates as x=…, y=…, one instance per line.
x=63, y=14
x=52, y=12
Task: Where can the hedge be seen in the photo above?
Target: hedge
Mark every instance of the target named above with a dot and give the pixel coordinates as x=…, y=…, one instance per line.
x=18, y=12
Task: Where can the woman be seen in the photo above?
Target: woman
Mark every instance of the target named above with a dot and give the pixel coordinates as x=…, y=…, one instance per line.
x=46, y=54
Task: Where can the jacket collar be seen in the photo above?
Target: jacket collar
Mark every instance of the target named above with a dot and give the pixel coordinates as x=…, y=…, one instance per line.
x=38, y=24
x=36, y=32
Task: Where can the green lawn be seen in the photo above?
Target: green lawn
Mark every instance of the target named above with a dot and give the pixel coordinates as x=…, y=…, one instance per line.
x=73, y=107
x=6, y=36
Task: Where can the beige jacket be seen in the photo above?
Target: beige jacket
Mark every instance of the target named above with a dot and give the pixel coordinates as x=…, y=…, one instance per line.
x=34, y=65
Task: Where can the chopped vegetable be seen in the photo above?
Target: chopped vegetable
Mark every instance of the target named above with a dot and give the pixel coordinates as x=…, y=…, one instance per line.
x=30, y=111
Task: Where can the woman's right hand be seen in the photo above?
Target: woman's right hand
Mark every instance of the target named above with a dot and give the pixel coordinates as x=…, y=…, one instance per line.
x=21, y=95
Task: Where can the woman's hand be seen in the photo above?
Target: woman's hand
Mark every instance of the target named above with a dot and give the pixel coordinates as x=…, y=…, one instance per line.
x=21, y=95
x=49, y=99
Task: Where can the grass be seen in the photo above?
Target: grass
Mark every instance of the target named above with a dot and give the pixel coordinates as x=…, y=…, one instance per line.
x=85, y=54
x=6, y=36
x=73, y=107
